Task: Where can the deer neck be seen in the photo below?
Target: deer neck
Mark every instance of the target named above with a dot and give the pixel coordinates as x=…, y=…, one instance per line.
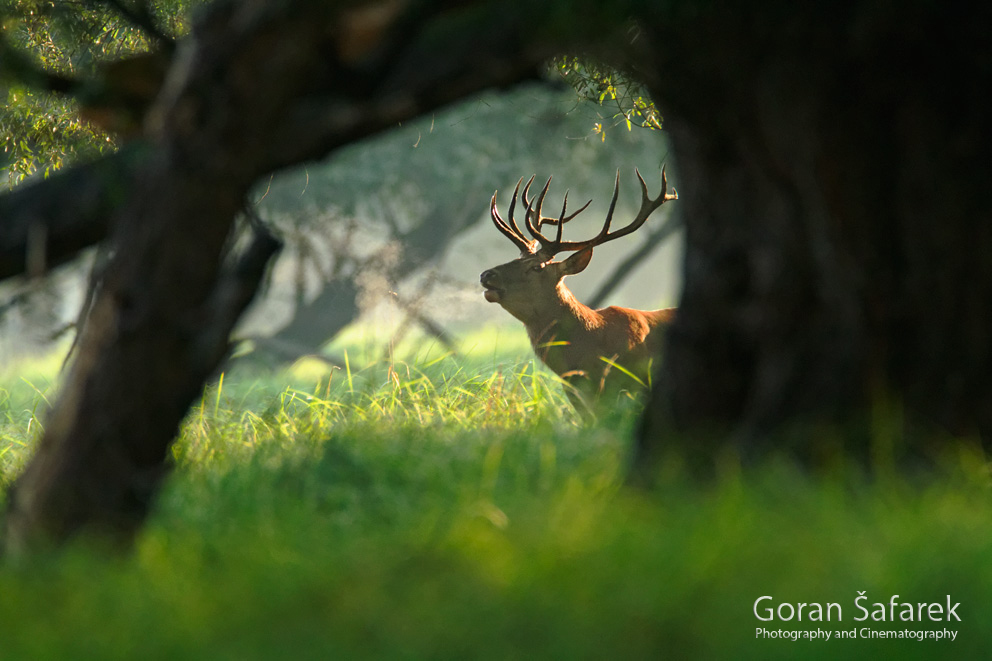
x=562, y=320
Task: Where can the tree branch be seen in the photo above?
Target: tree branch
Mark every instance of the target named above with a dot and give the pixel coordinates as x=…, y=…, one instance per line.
x=236, y=290
x=74, y=207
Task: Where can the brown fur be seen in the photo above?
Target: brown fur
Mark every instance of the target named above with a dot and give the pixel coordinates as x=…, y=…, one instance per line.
x=571, y=338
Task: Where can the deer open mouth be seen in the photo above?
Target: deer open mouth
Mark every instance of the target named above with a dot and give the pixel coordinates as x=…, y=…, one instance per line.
x=493, y=294
x=490, y=280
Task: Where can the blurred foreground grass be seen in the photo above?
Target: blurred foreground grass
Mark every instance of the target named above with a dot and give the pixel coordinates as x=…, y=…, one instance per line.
x=452, y=508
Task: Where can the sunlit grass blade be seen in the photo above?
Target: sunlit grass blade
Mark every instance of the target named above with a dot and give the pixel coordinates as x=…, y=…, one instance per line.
x=623, y=370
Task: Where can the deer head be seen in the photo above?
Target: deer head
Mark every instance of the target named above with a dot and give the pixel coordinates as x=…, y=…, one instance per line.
x=531, y=287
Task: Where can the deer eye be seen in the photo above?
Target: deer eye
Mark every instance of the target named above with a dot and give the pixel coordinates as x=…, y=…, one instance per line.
x=536, y=268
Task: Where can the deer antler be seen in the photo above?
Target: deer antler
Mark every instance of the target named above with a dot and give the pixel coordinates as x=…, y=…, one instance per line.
x=533, y=219
x=511, y=231
x=648, y=206
x=542, y=220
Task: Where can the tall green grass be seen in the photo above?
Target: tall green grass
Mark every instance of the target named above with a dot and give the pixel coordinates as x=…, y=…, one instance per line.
x=421, y=505
x=26, y=391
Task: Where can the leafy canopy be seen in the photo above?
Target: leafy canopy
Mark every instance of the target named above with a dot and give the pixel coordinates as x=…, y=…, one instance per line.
x=609, y=87
x=55, y=53
x=50, y=52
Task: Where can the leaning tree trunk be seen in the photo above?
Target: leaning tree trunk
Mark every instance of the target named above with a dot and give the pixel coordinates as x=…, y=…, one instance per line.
x=835, y=174
x=260, y=85
x=157, y=330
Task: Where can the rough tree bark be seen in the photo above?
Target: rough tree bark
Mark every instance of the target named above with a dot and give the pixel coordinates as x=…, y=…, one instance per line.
x=835, y=170
x=259, y=85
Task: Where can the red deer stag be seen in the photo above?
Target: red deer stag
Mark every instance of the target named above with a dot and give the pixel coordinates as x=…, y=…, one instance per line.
x=585, y=347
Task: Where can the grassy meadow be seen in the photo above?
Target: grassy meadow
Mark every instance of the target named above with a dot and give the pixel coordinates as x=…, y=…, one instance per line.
x=427, y=505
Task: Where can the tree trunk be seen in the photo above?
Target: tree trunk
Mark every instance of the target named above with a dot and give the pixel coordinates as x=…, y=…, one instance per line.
x=260, y=85
x=835, y=171
x=158, y=329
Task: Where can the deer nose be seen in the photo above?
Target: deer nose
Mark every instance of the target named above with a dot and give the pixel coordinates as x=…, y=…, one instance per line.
x=488, y=278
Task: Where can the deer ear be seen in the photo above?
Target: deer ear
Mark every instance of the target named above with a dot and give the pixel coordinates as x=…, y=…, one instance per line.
x=577, y=262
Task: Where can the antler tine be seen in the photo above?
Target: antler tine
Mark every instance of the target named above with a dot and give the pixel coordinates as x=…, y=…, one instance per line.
x=647, y=204
x=564, y=219
x=665, y=196
x=603, y=233
x=647, y=208
x=515, y=236
x=533, y=227
x=573, y=215
x=523, y=198
x=494, y=213
x=544, y=220
x=513, y=204
x=561, y=219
